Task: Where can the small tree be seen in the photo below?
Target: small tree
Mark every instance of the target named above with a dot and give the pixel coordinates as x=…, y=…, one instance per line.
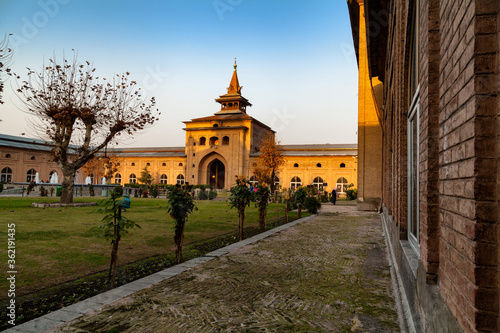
x=240, y=198
x=288, y=205
x=270, y=160
x=262, y=196
x=299, y=198
x=180, y=204
x=145, y=176
x=113, y=224
x=81, y=114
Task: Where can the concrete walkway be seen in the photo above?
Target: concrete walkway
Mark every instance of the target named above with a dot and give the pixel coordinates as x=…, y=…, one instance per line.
x=324, y=273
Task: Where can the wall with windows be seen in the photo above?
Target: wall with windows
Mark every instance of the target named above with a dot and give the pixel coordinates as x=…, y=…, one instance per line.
x=439, y=64
x=19, y=165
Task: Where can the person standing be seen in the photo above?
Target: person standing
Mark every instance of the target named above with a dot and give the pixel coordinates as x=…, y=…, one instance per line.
x=334, y=196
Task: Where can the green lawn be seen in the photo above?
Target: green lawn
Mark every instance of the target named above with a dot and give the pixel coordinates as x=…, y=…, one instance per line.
x=55, y=245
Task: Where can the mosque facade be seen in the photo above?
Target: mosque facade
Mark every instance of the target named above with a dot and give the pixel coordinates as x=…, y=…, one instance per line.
x=218, y=147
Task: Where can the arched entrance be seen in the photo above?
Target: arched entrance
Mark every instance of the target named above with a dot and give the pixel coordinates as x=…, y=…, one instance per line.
x=216, y=174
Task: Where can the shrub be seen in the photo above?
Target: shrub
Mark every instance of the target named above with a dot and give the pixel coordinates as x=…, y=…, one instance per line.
x=1, y=187
x=202, y=194
x=352, y=194
x=212, y=194
x=312, y=205
x=154, y=191
x=43, y=191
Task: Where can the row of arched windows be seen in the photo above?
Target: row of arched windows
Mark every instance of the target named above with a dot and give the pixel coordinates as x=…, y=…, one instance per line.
x=214, y=141
x=318, y=182
x=296, y=165
x=132, y=179
x=6, y=175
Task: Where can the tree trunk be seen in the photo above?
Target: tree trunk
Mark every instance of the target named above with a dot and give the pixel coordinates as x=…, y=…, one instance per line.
x=67, y=185
x=262, y=218
x=299, y=211
x=114, y=251
x=241, y=212
x=179, y=238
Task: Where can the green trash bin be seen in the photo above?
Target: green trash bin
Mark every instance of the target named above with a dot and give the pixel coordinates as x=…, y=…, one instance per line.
x=58, y=191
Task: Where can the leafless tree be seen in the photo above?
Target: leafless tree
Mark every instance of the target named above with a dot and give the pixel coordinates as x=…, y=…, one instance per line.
x=81, y=113
x=5, y=61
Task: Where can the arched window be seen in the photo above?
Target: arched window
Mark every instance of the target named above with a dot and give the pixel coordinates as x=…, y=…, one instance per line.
x=318, y=183
x=7, y=156
x=164, y=164
x=215, y=125
x=225, y=141
x=118, y=178
x=132, y=179
x=33, y=158
x=180, y=179
x=342, y=165
x=203, y=141
x=180, y=164
x=91, y=178
x=53, y=177
x=296, y=165
x=276, y=180
x=163, y=179
x=295, y=183
x=6, y=175
x=253, y=181
x=318, y=165
x=132, y=164
x=342, y=185
x=31, y=175
x=214, y=141
x=148, y=164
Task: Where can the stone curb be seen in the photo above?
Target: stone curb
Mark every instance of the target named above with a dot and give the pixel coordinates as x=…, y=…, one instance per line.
x=95, y=303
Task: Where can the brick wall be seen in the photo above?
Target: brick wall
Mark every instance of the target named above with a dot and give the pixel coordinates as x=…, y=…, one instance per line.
x=429, y=154
x=467, y=162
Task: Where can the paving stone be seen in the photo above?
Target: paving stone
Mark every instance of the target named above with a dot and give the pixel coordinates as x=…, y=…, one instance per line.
x=327, y=274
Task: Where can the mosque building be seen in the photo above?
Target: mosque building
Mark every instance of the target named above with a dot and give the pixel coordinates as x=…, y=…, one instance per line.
x=218, y=147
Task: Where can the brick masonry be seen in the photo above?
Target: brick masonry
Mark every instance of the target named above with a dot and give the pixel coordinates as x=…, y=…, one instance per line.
x=459, y=136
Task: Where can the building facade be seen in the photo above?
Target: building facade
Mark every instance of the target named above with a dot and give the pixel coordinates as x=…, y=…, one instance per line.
x=218, y=147
x=432, y=68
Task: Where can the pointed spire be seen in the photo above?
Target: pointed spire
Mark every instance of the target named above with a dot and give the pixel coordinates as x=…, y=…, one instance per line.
x=234, y=85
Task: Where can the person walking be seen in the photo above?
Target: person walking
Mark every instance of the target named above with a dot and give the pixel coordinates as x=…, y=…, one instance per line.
x=334, y=196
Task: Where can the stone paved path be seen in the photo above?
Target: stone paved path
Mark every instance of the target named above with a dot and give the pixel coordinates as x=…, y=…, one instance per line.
x=327, y=274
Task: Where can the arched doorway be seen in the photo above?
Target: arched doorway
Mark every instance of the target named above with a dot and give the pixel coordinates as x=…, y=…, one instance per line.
x=217, y=174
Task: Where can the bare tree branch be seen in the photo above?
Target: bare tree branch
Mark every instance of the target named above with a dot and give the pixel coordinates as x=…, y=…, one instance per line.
x=81, y=113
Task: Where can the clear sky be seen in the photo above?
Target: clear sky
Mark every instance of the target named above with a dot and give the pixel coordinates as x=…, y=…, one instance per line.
x=295, y=58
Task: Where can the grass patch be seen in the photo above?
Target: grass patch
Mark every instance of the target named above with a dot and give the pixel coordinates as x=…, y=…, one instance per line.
x=60, y=258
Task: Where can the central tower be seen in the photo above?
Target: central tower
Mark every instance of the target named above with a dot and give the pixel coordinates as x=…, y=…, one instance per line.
x=233, y=102
x=224, y=144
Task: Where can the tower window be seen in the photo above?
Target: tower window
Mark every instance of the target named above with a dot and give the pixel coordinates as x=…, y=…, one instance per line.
x=33, y=158
x=318, y=165
x=180, y=164
x=342, y=165
x=148, y=164
x=214, y=140
x=225, y=141
x=203, y=141
x=7, y=156
x=132, y=164
x=296, y=165
x=216, y=125
x=164, y=164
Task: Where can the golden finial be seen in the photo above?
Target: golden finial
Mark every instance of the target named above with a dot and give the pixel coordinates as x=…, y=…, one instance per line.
x=235, y=64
